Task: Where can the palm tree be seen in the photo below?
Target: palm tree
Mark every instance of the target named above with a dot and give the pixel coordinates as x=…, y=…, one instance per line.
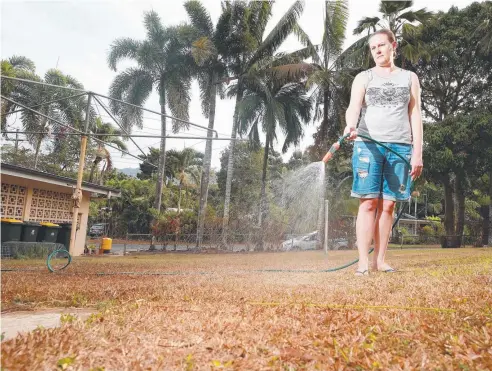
x=397, y=17
x=328, y=74
x=19, y=67
x=182, y=165
x=164, y=63
x=102, y=152
x=485, y=28
x=273, y=105
x=250, y=53
x=212, y=70
x=70, y=111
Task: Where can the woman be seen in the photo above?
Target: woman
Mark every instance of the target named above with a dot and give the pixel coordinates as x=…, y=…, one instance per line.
x=389, y=98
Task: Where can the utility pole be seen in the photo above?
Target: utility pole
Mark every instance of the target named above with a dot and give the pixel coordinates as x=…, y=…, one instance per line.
x=16, y=140
x=77, y=195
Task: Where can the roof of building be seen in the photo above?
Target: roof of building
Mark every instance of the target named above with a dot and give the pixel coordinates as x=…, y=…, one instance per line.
x=23, y=172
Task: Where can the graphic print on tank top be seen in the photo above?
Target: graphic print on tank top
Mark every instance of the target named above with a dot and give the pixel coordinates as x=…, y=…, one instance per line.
x=387, y=95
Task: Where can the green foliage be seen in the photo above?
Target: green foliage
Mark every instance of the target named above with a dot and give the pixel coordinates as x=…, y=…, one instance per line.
x=68, y=318
x=456, y=58
x=131, y=212
x=147, y=171
x=65, y=363
x=174, y=223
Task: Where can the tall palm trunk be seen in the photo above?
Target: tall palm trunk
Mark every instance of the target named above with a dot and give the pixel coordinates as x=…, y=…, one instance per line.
x=103, y=172
x=230, y=165
x=96, y=162
x=263, y=204
x=162, y=157
x=326, y=129
x=36, y=154
x=180, y=188
x=207, y=162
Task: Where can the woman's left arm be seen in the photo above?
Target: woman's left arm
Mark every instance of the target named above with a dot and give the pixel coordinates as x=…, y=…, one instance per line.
x=415, y=115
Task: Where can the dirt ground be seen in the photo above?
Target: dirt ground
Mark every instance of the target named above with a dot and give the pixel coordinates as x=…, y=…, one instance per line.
x=214, y=311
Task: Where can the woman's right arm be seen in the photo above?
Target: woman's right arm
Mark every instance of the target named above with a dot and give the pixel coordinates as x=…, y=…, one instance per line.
x=356, y=100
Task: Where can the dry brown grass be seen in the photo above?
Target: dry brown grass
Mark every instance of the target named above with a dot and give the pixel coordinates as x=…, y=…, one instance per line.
x=435, y=314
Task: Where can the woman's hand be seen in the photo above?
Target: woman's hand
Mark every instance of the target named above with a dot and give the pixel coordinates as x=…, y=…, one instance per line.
x=352, y=131
x=417, y=166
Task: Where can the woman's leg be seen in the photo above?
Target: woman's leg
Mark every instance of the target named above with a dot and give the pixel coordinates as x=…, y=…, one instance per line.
x=384, y=222
x=365, y=230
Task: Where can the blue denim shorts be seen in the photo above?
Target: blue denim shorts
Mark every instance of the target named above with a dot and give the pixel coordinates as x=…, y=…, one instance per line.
x=379, y=173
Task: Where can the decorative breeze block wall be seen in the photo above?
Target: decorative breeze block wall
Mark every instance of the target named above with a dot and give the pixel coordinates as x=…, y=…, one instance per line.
x=50, y=206
x=13, y=201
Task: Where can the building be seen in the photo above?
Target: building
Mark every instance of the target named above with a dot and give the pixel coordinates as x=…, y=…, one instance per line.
x=33, y=195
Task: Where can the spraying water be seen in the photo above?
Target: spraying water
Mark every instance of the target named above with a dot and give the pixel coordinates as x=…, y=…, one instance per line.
x=300, y=197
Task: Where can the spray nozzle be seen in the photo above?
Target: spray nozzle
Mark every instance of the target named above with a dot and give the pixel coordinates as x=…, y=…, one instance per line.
x=335, y=147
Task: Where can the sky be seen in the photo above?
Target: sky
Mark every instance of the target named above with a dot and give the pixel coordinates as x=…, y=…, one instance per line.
x=75, y=36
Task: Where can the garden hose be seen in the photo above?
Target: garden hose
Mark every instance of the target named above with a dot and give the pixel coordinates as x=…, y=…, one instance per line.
x=54, y=255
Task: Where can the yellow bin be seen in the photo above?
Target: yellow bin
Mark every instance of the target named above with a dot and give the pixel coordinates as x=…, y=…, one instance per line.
x=106, y=245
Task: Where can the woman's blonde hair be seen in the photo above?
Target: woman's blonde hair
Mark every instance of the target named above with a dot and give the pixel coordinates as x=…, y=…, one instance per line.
x=384, y=31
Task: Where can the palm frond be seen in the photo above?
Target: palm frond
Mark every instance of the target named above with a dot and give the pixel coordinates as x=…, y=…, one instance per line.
x=335, y=25
x=280, y=32
x=200, y=18
x=254, y=136
x=156, y=33
x=388, y=7
x=249, y=110
x=202, y=50
x=310, y=49
x=485, y=28
x=260, y=14
x=133, y=86
x=120, y=49
x=366, y=24
x=20, y=62
x=178, y=97
x=356, y=55
x=421, y=15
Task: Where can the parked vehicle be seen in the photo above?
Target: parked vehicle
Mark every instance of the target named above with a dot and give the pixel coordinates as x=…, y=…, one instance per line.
x=98, y=229
x=310, y=242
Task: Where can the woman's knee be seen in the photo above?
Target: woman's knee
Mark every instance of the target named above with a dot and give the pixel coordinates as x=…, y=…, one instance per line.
x=368, y=205
x=388, y=206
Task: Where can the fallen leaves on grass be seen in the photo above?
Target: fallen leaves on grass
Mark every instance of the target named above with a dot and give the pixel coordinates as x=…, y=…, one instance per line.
x=437, y=316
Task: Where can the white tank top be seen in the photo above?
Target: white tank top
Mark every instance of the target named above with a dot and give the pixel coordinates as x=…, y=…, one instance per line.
x=384, y=114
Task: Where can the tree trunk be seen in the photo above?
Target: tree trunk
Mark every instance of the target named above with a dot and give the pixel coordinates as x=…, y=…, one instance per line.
x=484, y=212
x=326, y=132
x=448, y=206
x=263, y=202
x=230, y=166
x=460, y=198
x=262, y=213
x=207, y=160
x=489, y=227
x=103, y=172
x=179, y=197
x=162, y=155
x=36, y=155
x=96, y=162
